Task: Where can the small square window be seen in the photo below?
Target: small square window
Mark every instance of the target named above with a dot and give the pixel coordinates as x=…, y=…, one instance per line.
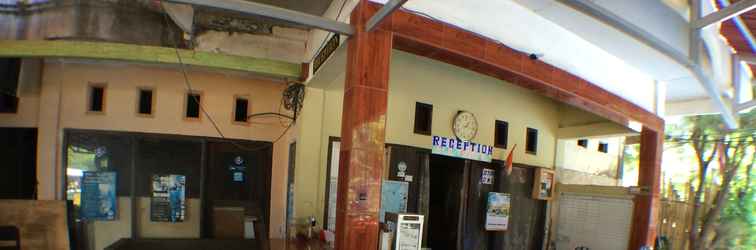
x=501, y=134
x=241, y=109
x=193, y=102
x=531, y=141
x=583, y=143
x=96, y=98
x=603, y=147
x=145, y=101
x=423, y=118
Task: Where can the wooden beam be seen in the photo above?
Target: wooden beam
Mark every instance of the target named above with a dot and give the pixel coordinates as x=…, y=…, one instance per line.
x=146, y=54
x=645, y=207
x=724, y=14
x=440, y=41
x=384, y=12
x=363, y=133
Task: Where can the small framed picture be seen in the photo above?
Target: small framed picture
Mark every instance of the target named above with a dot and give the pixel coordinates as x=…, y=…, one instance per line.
x=543, y=185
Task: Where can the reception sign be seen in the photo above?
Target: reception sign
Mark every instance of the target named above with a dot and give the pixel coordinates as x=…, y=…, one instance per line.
x=98, y=195
x=461, y=149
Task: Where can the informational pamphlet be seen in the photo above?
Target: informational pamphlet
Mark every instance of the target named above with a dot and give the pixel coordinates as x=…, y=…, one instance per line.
x=168, y=201
x=393, y=197
x=98, y=195
x=497, y=211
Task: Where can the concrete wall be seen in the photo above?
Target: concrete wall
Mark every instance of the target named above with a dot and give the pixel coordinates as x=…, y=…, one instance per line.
x=61, y=103
x=449, y=89
x=588, y=166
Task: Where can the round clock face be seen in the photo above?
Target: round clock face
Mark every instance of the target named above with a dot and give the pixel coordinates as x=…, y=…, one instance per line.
x=465, y=126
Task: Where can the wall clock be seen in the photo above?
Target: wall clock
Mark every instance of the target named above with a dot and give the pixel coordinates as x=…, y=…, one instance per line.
x=465, y=125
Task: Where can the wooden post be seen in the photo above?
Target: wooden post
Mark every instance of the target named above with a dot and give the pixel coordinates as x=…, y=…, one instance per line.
x=363, y=130
x=646, y=206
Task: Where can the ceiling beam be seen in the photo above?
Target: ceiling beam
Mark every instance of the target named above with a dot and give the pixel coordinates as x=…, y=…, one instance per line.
x=747, y=105
x=742, y=27
x=258, y=9
x=147, y=54
x=387, y=9
x=724, y=14
x=747, y=58
x=595, y=130
x=608, y=17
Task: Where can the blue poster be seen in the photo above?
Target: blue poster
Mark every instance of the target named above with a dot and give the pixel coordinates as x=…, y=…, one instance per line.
x=168, y=201
x=98, y=195
x=393, y=197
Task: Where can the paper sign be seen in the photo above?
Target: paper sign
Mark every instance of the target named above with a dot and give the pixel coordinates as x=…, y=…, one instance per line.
x=393, y=197
x=168, y=201
x=461, y=149
x=497, y=211
x=98, y=195
x=487, y=176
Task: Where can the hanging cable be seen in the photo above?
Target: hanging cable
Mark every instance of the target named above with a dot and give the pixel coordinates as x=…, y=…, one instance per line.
x=293, y=96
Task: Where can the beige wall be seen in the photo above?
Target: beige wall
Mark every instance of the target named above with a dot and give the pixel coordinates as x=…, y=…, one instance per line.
x=588, y=166
x=448, y=89
x=61, y=103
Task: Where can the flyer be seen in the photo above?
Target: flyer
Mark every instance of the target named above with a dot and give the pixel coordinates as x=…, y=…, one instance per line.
x=98, y=195
x=168, y=201
x=497, y=211
x=393, y=197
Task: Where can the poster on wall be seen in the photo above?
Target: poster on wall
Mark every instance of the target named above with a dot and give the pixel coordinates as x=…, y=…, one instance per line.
x=497, y=211
x=238, y=169
x=393, y=197
x=98, y=195
x=544, y=184
x=168, y=201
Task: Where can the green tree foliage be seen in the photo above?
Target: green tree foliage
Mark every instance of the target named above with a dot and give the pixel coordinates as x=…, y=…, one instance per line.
x=730, y=223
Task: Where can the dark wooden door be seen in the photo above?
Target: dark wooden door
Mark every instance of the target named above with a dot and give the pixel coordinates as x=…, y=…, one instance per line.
x=445, y=202
x=18, y=169
x=407, y=164
x=238, y=175
x=528, y=216
x=475, y=234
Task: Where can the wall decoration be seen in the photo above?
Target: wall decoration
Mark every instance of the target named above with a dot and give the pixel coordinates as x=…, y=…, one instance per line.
x=168, y=201
x=238, y=169
x=461, y=149
x=487, y=176
x=497, y=211
x=544, y=183
x=402, y=169
x=98, y=195
x=393, y=197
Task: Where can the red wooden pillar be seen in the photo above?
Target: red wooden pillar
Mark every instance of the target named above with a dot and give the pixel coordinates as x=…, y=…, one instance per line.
x=363, y=130
x=646, y=208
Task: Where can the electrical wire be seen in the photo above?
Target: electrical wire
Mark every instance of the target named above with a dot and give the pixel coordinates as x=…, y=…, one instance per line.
x=296, y=103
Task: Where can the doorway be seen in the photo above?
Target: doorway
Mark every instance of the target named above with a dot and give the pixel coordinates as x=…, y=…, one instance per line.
x=18, y=174
x=238, y=189
x=445, y=202
x=458, y=191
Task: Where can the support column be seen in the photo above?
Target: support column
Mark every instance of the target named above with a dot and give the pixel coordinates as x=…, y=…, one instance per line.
x=646, y=207
x=363, y=130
